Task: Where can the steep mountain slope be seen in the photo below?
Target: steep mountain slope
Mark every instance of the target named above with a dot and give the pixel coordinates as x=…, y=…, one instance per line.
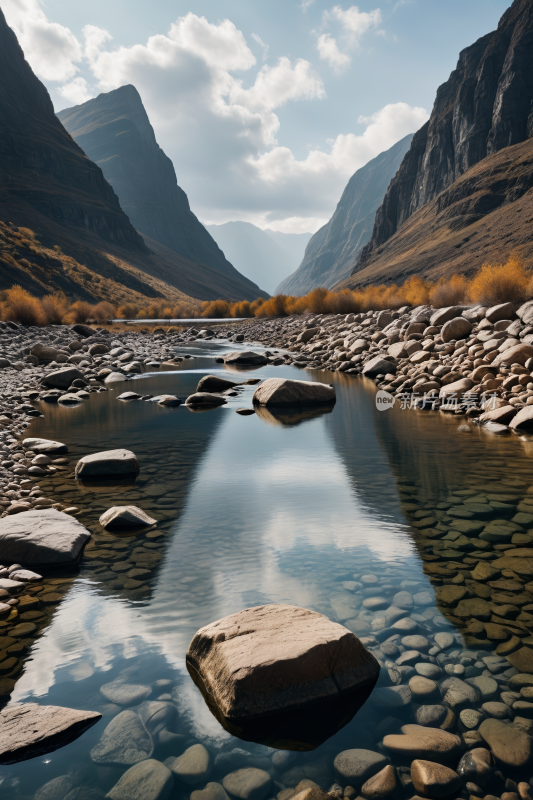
x=485, y=105
x=483, y=216
x=333, y=250
x=114, y=131
x=264, y=256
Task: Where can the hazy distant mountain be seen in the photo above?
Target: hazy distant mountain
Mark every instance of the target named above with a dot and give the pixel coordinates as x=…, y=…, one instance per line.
x=333, y=250
x=113, y=129
x=264, y=256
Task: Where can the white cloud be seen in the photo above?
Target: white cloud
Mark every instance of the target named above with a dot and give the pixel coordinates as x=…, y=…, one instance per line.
x=76, y=92
x=305, y=4
x=51, y=49
x=329, y=51
x=356, y=23
x=262, y=44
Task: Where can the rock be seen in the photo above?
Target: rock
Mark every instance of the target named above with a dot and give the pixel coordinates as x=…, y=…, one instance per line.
x=518, y=354
x=125, y=694
x=157, y=715
x=125, y=517
x=355, y=767
x=456, y=328
x=456, y=389
x=442, y=315
x=431, y=716
x=379, y=366
x=457, y=693
x=285, y=392
x=391, y=697
x=383, y=784
x=242, y=660
x=45, y=446
x=83, y=330
x=107, y=462
x=193, y=766
x=61, y=378
x=213, y=383
x=42, y=536
x=444, y=640
x=522, y=659
x=422, y=689
x=169, y=400
x=450, y=595
x=124, y=741
x=245, y=358
x=129, y=396
x=56, y=789
x=25, y=575
x=523, y=420
x=476, y=766
x=434, y=780
x=98, y=349
x=510, y=746
x=397, y=350
x=426, y=743
x=499, y=312
x=205, y=400
x=44, y=352
x=212, y=791
x=114, y=377
x=28, y=730
x=249, y=783
x=148, y=780
x=501, y=415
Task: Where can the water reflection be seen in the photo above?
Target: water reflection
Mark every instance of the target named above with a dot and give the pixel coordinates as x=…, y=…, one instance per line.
x=311, y=514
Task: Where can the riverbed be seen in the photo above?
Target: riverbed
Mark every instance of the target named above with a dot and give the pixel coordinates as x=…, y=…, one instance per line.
x=326, y=510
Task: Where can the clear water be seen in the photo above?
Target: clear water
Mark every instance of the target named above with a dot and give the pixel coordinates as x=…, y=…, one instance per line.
x=252, y=509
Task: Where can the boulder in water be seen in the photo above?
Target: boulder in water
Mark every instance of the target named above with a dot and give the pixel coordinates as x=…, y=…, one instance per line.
x=285, y=392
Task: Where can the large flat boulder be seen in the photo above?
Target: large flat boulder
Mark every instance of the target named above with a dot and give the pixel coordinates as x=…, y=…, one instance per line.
x=284, y=392
x=214, y=383
x=61, y=378
x=44, y=446
x=28, y=730
x=42, y=537
x=107, y=462
x=245, y=358
x=275, y=658
x=518, y=354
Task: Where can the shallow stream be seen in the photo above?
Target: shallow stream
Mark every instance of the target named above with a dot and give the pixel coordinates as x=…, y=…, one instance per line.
x=323, y=511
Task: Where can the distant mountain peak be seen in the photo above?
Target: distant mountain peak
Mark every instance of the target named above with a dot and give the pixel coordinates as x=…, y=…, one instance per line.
x=115, y=132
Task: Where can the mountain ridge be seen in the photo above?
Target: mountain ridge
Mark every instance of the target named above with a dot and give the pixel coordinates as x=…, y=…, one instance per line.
x=114, y=130
x=483, y=107
x=334, y=248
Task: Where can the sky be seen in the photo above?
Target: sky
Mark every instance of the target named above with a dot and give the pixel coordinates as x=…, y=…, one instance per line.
x=266, y=107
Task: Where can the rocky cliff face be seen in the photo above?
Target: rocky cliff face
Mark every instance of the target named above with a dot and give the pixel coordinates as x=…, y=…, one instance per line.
x=334, y=249
x=485, y=105
x=114, y=131
x=40, y=164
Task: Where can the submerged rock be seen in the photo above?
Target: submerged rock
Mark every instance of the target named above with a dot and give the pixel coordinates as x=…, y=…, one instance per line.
x=285, y=392
x=205, y=399
x=148, y=780
x=28, y=730
x=44, y=536
x=107, y=462
x=124, y=741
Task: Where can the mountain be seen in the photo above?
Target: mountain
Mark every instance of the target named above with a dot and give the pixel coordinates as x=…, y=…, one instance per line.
x=114, y=131
x=485, y=106
x=264, y=256
x=333, y=250
x=482, y=217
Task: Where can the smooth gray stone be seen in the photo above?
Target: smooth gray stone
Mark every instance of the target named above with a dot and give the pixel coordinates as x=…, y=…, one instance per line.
x=107, y=462
x=148, y=780
x=44, y=536
x=125, y=741
x=28, y=730
x=45, y=446
x=125, y=694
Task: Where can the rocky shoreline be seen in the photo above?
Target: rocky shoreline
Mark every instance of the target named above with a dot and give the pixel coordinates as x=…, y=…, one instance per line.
x=448, y=718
